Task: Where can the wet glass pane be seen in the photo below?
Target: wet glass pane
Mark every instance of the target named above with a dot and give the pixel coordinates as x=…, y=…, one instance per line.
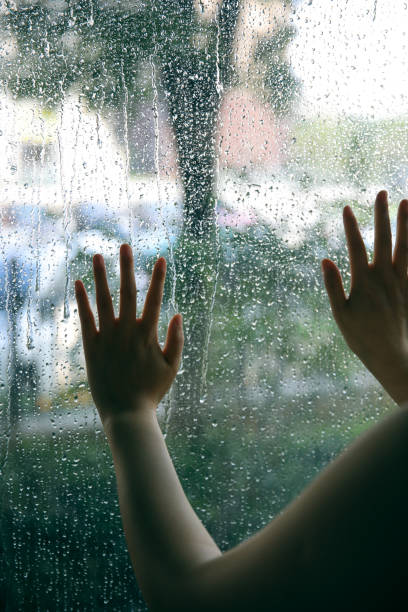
x=225, y=136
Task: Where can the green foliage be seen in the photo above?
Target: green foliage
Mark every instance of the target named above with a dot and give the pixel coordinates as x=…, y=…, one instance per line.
x=102, y=49
x=350, y=151
x=60, y=48
x=61, y=528
x=279, y=80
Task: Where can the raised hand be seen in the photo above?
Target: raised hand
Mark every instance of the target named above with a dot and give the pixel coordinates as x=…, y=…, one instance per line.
x=374, y=318
x=126, y=367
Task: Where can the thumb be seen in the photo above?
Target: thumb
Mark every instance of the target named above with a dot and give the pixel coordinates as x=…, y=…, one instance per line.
x=334, y=286
x=174, y=341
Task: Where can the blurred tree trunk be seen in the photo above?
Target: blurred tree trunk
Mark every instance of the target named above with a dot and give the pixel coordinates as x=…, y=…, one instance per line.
x=193, y=90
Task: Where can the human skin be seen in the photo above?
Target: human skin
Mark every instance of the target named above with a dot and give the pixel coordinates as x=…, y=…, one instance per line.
x=373, y=319
x=341, y=544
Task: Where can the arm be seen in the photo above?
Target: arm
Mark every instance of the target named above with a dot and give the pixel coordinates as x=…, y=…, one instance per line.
x=128, y=374
x=339, y=537
x=165, y=538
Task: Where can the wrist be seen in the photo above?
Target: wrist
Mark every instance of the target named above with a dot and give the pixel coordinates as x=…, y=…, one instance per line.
x=391, y=370
x=140, y=413
x=395, y=382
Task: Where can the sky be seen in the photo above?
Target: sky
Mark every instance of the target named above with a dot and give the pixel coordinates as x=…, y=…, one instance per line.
x=349, y=62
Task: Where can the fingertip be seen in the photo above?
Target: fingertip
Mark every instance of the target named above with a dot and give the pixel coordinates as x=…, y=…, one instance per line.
x=327, y=265
x=161, y=264
x=382, y=195
x=126, y=250
x=98, y=260
x=347, y=210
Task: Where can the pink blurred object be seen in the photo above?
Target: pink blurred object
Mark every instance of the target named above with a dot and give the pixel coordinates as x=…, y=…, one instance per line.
x=248, y=135
x=248, y=132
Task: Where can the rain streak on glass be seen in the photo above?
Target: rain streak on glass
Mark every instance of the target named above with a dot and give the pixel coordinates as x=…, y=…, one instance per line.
x=227, y=137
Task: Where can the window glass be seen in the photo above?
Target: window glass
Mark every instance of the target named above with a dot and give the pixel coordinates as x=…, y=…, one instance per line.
x=226, y=136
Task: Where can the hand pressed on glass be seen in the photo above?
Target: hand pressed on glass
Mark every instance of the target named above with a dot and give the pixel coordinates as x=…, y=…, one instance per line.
x=374, y=318
x=126, y=367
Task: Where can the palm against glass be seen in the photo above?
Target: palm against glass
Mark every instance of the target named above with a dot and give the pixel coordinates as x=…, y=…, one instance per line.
x=374, y=318
x=126, y=366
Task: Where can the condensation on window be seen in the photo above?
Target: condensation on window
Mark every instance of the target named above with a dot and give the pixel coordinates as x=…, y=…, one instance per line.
x=225, y=136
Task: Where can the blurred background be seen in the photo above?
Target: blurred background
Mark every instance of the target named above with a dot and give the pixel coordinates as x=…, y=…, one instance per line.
x=226, y=136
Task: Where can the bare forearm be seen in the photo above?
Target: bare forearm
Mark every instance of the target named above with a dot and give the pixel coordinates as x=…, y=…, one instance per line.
x=166, y=539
